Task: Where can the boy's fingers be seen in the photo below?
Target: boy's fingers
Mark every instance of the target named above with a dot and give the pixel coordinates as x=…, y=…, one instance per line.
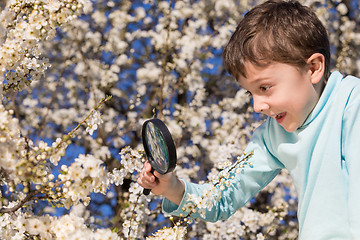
x=146, y=180
x=146, y=175
x=146, y=184
x=146, y=172
x=149, y=176
x=147, y=166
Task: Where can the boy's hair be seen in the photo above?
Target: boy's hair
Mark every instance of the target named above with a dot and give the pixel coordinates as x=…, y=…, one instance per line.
x=276, y=31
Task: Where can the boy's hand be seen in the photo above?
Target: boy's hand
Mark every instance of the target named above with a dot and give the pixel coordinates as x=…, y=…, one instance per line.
x=167, y=185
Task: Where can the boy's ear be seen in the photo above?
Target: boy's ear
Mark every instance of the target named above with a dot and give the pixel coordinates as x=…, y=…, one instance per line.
x=316, y=63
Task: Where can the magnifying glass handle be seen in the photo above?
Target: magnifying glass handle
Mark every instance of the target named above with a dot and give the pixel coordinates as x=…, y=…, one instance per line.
x=147, y=191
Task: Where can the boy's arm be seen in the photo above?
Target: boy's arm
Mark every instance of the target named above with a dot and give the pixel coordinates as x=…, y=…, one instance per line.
x=242, y=188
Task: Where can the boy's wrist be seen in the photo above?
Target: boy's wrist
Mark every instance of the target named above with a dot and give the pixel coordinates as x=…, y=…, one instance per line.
x=176, y=191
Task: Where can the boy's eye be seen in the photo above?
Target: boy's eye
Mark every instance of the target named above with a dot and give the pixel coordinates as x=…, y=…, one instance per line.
x=264, y=88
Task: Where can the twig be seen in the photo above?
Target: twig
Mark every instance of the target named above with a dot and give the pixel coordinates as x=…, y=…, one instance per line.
x=27, y=198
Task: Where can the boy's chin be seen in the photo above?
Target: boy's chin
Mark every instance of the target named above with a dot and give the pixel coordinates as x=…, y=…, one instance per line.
x=290, y=128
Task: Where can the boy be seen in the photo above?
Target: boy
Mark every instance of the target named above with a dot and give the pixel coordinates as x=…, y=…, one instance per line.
x=280, y=54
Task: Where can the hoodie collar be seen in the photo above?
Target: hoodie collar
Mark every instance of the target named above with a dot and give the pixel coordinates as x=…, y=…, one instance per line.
x=333, y=80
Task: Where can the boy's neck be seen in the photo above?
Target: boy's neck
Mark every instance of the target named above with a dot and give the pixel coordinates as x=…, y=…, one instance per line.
x=319, y=87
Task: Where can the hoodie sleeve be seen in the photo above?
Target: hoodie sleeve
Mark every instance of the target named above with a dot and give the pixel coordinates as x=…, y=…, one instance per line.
x=243, y=186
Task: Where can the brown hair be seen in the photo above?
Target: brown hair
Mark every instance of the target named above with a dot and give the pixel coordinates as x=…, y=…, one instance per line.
x=276, y=31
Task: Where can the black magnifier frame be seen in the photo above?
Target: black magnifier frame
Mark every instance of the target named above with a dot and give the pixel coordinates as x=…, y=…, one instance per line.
x=159, y=147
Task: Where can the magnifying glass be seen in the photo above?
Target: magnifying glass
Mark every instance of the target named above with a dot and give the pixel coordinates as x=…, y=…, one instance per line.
x=159, y=147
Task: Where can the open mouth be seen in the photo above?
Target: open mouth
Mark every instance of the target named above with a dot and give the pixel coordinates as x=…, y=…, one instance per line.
x=280, y=117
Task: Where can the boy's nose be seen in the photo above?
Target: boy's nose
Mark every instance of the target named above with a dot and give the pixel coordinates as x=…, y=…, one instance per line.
x=259, y=105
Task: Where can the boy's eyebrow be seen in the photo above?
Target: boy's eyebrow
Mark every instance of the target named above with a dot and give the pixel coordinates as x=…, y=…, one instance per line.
x=260, y=79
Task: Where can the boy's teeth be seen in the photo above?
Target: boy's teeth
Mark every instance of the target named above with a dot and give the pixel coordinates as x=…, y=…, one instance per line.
x=277, y=116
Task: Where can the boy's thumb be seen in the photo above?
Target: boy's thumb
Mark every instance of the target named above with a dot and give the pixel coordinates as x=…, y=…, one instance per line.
x=162, y=177
x=157, y=174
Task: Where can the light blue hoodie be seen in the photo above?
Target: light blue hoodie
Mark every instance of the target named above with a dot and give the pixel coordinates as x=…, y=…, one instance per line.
x=322, y=157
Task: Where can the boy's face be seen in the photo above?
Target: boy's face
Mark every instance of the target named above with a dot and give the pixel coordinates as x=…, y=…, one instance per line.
x=281, y=91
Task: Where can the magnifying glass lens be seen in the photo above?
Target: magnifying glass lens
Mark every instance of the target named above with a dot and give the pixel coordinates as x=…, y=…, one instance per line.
x=158, y=151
